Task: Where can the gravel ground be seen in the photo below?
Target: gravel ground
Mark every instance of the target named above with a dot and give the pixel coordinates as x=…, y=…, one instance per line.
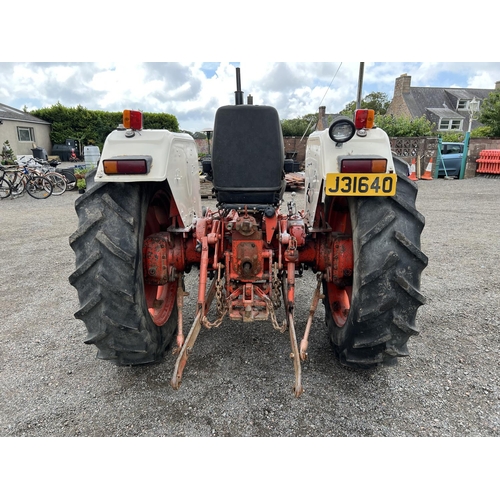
x=238, y=380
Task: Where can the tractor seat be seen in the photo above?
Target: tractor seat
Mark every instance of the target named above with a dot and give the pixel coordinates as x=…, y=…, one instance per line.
x=248, y=156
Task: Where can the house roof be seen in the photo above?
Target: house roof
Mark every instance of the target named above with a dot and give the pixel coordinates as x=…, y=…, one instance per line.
x=421, y=99
x=445, y=113
x=9, y=113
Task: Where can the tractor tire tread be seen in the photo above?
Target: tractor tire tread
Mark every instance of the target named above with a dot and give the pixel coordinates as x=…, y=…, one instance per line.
x=386, y=289
x=108, y=275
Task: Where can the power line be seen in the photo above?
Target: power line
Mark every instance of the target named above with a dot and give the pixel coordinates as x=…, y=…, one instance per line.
x=307, y=128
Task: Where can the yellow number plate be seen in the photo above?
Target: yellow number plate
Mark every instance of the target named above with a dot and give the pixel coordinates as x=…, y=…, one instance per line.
x=360, y=184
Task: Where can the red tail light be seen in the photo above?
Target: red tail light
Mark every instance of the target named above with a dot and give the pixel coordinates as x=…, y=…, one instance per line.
x=127, y=165
x=363, y=165
x=132, y=119
x=364, y=118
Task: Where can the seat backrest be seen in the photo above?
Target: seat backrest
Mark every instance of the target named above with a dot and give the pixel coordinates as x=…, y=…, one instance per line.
x=248, y=155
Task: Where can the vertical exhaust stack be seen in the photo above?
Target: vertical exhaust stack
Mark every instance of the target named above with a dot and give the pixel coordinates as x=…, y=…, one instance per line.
x=238, y=95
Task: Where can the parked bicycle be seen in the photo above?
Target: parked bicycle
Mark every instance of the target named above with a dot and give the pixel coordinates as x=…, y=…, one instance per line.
x=21, y=180
x=62, y=179
x=5, y=185
x=43, y=168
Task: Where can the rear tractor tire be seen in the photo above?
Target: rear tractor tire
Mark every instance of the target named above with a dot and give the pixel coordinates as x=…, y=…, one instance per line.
x=129, y=322
x=370, y=321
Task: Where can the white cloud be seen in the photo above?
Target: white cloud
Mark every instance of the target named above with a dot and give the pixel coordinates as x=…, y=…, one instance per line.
x=192, y=91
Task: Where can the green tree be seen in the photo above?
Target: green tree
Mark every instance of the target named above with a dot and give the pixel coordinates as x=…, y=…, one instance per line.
x=92, y=127
x=7, y=154
x=378, y=101
x=482, y=132
x=490, y=113
x=404, y=127
x=297, y=127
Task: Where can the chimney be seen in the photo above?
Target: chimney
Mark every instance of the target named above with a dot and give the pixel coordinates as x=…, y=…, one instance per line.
x=320, y=124
x=402, y=85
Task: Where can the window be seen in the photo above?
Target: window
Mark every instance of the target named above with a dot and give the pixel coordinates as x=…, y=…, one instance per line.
x=25, y=134
x=448, y=124
x=465, y=104
x=452, y=149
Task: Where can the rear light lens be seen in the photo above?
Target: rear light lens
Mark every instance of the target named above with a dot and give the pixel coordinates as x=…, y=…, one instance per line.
x=127, y=165
x=364, y=118
x=341, y=130
x=132, y=119
x=363, y=165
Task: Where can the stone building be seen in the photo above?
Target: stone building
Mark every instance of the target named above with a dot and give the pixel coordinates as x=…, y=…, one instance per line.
x=447, y=108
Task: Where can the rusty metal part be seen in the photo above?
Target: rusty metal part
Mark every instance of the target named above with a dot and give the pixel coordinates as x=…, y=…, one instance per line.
x=246, y=225
x=272, y=312
x=343, y=260
x=271, y=223
x=188, y=344
x=180, y=304
x=163, y=258
x=297, y=387
x=317, y=296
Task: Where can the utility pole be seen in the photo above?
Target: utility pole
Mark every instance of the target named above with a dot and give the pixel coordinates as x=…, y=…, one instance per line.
x=360, y=84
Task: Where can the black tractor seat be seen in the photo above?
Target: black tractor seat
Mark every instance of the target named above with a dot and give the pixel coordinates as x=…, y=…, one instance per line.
x=248, y=156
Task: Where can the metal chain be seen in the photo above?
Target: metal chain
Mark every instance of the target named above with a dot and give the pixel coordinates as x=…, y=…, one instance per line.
x=276, y=289
x=272, y=313
x=221, y=302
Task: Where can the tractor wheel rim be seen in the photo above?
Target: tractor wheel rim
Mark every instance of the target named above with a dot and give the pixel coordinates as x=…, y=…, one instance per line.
x=340, y=297
x=161, y=299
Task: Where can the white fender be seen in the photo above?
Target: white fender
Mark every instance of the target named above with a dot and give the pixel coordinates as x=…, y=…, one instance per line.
x=322, y=157
x=175, y=158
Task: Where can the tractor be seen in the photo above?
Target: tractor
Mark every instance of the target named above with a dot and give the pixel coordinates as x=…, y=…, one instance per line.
x=142, y=226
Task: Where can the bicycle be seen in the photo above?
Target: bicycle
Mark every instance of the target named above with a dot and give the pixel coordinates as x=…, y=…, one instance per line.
x=5, y=185
x=22, y=179
x=58, y=181
x=62, y=181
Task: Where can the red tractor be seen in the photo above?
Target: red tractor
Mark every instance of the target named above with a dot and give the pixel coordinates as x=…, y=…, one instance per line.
x=142, y=226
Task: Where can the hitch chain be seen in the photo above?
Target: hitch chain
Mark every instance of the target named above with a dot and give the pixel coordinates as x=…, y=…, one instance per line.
x=221, y=302
x=276, y=289
x=272, y=314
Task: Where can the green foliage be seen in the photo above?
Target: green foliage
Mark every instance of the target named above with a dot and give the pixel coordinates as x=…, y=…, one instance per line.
x=92, y=127
x=160, y=121
x=452, y=136
x=81, y=170
x=7, y=154
x=404, y=127
x=378, y=101
x=297, y=127
x=482, y=132
x=460, y=136
x=490, y=113
x=81, y=183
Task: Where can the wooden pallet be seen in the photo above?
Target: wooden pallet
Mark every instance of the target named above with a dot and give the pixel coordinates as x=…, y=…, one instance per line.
x=293, y=182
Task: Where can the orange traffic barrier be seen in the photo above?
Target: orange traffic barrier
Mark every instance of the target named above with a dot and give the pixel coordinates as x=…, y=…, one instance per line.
x=428, y=172
x=413, y=170
x=489, y=161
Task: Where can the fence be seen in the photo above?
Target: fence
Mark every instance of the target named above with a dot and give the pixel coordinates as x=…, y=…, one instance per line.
x=407, y=148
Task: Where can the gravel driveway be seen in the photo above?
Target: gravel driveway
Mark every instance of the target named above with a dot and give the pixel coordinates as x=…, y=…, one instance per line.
x=238, y=380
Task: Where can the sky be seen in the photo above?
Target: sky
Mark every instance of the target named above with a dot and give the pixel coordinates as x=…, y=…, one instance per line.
x=192, y=91
x=255, y=35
